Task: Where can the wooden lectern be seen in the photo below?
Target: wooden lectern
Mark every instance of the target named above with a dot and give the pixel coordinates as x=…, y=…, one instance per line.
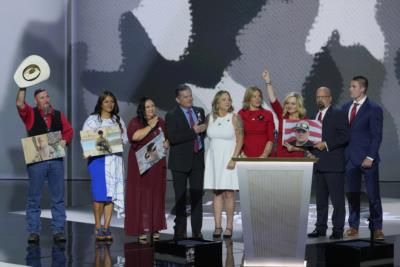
x=274, y=200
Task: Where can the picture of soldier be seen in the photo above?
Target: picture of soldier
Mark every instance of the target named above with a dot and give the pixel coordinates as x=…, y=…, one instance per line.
x=102, y=143
x=42, y=147
x=302, y=133
x=44, y=150
x=151, y=154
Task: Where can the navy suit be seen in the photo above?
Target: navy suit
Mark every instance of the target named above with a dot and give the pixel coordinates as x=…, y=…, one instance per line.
x=365, y=140
x=185, y=164
x=329, y=170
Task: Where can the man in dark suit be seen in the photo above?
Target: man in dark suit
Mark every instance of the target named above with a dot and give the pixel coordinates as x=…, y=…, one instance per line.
x=329, y=169
x=186, y=131
x=362, y=156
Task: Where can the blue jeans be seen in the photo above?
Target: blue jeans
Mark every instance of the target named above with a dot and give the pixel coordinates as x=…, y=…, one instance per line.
x=53, y=172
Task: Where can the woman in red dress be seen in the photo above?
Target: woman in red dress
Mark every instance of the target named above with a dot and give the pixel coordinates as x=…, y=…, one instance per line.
x=293, y=108
x=145, y=194
x=258, y=125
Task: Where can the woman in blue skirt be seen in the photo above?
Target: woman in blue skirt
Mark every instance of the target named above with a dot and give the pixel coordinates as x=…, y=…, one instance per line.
x=106, y=171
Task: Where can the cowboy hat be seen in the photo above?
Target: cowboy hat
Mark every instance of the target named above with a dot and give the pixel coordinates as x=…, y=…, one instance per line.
x=33, y=70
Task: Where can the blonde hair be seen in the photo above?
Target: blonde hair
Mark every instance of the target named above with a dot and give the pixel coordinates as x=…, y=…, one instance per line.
x=217, y=97
x=301, y=110
x=248, y=94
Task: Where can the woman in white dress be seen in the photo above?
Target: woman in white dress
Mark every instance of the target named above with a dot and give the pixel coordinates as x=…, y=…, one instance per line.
x=225, y=132
x=106, y=171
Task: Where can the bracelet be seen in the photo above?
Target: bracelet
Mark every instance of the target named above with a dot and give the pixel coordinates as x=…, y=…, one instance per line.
x=268, y=83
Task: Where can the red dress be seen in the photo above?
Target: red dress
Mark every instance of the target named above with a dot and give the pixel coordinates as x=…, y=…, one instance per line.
x=281, y=151
x=145, y=194
x=258, y=128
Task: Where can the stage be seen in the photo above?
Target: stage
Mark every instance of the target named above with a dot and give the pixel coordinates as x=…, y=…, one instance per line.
x=81, y=250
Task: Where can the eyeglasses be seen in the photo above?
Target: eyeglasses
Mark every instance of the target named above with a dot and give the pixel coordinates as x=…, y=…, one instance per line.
x=323, y=96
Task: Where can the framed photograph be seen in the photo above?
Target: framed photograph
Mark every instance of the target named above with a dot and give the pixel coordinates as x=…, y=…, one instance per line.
x=302, y=133
x=42, y=147
x=103, y=141
x=151, y=153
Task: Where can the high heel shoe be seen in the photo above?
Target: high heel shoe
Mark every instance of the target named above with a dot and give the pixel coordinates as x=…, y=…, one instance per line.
x=99, y=233
x=217, y=232
x=156, y=235
x=142, y=237
x=229, y=234
x=107, y=234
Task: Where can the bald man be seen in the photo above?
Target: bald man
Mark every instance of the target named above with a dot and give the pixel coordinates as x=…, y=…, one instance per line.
x=329, y=171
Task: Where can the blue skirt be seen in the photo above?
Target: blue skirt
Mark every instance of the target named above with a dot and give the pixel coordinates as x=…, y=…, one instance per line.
x=96, y=167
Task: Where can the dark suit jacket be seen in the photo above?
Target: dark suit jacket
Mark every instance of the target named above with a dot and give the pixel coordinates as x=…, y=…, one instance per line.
x=335, y=132
x=181, y=138
x=365, y=132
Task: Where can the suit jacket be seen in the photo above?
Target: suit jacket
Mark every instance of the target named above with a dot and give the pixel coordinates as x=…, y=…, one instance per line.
x=181, y=138
x=365, y=132
x=335, y=132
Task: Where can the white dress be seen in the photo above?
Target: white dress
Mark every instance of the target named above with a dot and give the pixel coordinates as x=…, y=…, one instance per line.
x=114, y=163
x=221, y=134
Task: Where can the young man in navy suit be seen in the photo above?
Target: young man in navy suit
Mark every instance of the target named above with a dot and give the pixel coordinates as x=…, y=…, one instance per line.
x=186, y=132
x=362, y=156
x=329, y=169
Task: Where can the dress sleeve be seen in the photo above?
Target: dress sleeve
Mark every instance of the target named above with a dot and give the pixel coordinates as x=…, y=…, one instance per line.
x=90, y=123
x=241, y=114
x=133, y=126
x=124, y=135
x=271, y=125
x=277, y=107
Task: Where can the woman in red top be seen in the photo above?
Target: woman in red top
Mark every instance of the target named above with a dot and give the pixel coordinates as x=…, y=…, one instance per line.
x=293, y=108
x=258, y=125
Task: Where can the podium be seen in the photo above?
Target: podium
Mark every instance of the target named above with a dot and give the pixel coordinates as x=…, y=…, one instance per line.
x=274, y=200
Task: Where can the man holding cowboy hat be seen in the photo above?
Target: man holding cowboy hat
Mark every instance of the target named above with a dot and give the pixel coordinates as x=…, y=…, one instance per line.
x=40, y=120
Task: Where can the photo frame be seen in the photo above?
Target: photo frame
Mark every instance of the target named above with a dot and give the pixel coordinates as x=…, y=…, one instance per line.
x=42, y=147
x=302, y=132
x=103, y=141
x=151, y=153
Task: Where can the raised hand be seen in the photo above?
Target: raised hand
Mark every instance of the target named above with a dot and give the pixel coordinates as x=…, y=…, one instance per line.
x=266, y=76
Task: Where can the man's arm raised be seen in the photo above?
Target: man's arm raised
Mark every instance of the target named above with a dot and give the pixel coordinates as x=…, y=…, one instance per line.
x=21, y=98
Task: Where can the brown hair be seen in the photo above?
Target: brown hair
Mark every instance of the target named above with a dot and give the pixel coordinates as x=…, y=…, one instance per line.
x=248, y=94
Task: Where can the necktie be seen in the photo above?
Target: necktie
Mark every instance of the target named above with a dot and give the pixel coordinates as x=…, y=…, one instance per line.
x=320, y=116
x=353, y=113
x=191, y=122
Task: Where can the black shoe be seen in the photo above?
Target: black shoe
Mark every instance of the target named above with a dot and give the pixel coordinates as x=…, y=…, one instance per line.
x=33, y=238
x=336, y=236
x=198, y=236
x=178, y=237
x=59, y=238
x=316, y=233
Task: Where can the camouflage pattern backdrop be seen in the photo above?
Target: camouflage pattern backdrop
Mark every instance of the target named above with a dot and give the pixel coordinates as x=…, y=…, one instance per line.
x=135, y=48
